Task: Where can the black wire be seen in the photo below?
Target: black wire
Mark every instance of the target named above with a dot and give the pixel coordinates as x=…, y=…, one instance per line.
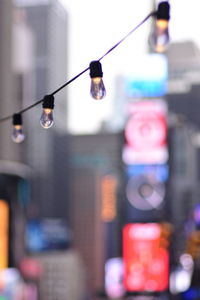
x=128, y=34
x=82, y=72
x=68, y=82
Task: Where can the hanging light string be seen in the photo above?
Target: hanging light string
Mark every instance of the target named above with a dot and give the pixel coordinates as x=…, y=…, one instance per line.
x=159, y=42
x=82, y=72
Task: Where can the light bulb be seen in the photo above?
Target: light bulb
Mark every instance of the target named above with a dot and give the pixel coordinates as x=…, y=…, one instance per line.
x=159, y=39
x=97, y=88
x=46, y=119
x=17, y=135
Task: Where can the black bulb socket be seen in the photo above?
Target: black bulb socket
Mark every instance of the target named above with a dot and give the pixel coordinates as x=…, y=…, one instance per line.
x=17, y=119
x=48, y=102
x=95, y=69
x=163, y=11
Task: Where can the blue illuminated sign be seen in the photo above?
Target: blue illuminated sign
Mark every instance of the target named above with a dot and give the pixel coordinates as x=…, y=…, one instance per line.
x=192, y=294
x=148, y=78
x=161, y=172
x=47, y=234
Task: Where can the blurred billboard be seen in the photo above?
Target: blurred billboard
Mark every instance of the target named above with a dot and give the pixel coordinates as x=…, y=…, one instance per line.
x=148, y=78
x=146, y=133
x=146, y=261
x=47, y=234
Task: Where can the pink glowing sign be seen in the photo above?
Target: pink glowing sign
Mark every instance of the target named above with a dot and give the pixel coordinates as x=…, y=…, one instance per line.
x=146, y=133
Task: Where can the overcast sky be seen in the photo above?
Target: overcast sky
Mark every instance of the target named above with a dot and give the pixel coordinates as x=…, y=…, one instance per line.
x=95, y=26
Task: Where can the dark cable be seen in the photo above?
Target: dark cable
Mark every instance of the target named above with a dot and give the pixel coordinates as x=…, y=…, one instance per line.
x=128, y=34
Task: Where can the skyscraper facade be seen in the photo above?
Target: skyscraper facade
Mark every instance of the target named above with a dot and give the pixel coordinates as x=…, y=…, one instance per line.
x=47, y=21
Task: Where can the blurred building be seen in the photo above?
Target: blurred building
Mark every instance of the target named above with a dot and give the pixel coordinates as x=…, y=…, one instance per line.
x=47, y=21
x=183, y=103
x=95, y=197
x=14, y=172
x=33, y=175
x=183, y=67
x=183, y=192
x=62, y=276
x=39, y=68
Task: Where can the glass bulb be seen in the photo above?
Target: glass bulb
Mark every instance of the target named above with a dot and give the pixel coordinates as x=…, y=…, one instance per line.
x=97, y=89
x=159, y=39
x=46, y=119
x=17, y=135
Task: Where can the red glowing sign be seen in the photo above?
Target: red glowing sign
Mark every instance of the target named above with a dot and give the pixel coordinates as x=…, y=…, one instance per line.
x=146, y=133
x=146, y=262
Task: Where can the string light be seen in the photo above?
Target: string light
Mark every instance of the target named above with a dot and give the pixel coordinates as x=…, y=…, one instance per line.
x=46, y=119
x=17, y=135
x=159, y=39
x=97, y=86
x=97, y=89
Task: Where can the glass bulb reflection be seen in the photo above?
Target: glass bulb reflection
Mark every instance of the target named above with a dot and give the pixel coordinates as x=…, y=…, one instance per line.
x=46, y=119
x=159, y=39
x=18, y=135
x=97, y=89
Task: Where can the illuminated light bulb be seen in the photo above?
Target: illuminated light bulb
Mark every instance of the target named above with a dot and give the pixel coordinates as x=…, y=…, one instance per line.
x=159, y=39
x=17, y=135
x=97, y=89
x=46, y=119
